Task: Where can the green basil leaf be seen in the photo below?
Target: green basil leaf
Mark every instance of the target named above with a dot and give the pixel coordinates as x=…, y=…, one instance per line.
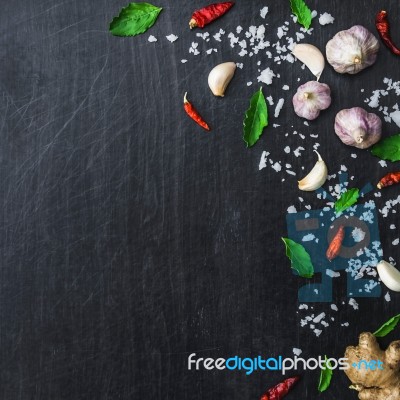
x=325, y=377
x=134, y=19
x=388, y=149
x=301, y=260
x=388, y=326
x=302, y=12
x=347, y=199
x=255, y=119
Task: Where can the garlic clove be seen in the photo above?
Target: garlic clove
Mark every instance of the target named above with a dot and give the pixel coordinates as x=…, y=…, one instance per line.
x=316, y=177
x=220, y=76
x=352, y=50
x=389, y=275
x=356, y=127
x=311, y=56
x=310, y=99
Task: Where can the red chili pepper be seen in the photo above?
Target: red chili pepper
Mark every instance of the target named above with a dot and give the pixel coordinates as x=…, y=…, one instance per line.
x=192, y=112
x=336, y=244
x=208, y=14
x=383, y=26
x=389, y=179
x=280, y=390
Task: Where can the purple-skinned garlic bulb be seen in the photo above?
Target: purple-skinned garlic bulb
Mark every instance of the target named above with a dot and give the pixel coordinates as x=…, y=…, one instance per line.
x=310, y=99
x=352, y=50
x=356, y=127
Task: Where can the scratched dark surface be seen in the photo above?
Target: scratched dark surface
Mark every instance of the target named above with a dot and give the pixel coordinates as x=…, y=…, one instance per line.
x=131, y=238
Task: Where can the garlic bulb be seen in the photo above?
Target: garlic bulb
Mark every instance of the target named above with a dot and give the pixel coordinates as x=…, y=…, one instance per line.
x=311, y=98
x=356, y=127
x=220, y=76
x=389, y=275
x=316, y=177
x=352, y=50
x=311, y=57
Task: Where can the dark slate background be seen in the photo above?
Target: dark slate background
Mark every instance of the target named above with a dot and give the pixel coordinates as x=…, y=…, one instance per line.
x=131, y=238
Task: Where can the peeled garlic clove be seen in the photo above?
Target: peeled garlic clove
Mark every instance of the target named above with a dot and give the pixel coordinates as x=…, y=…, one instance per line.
x=356, y=127
x=352, y=50
x=220, y=76
x=310, y=99
x=389, y=275
x=311, y=57
x=316, y=177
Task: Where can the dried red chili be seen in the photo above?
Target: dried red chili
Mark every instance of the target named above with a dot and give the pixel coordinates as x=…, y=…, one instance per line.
x=208, y=14
x=192, y=112
x=389, y=179
x=336, y=244
x=280, y=390
x=383, y=26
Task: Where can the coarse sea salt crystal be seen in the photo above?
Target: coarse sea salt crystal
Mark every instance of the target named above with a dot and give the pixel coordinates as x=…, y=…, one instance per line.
x=278, y=108
x=270, y=100
x=392, y=226
x=263, y=160
x=297, y=352
x=287, y=149
x=319, y=318
x=374, y=99
x=382, y=163
x=314, y=14
x=172, y=38
x=334, y=307
x=353, y=303
x=395, y=115
x=277, y=167
x=266, y=76
x=395, y=242
x=332, y=274
x=184, y=61
x=308, y=238
x=264, y=12
x=291, y=210
x=297, y=152
x=152, y=39
x=325, y=19
x=285, y=87
x=358, y=234
x=387, y=297
x=281, y=33
x=249, y=83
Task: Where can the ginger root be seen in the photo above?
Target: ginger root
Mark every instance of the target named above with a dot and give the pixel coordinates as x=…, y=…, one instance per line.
x=372, y=382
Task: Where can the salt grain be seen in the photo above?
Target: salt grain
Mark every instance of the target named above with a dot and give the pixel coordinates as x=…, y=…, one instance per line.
x=263, y=160
x=172, y=38
x=325, y=19
x=297, y=352
x=264, y=12
x=278, y=107
x=266, y=76
x=332, y=274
